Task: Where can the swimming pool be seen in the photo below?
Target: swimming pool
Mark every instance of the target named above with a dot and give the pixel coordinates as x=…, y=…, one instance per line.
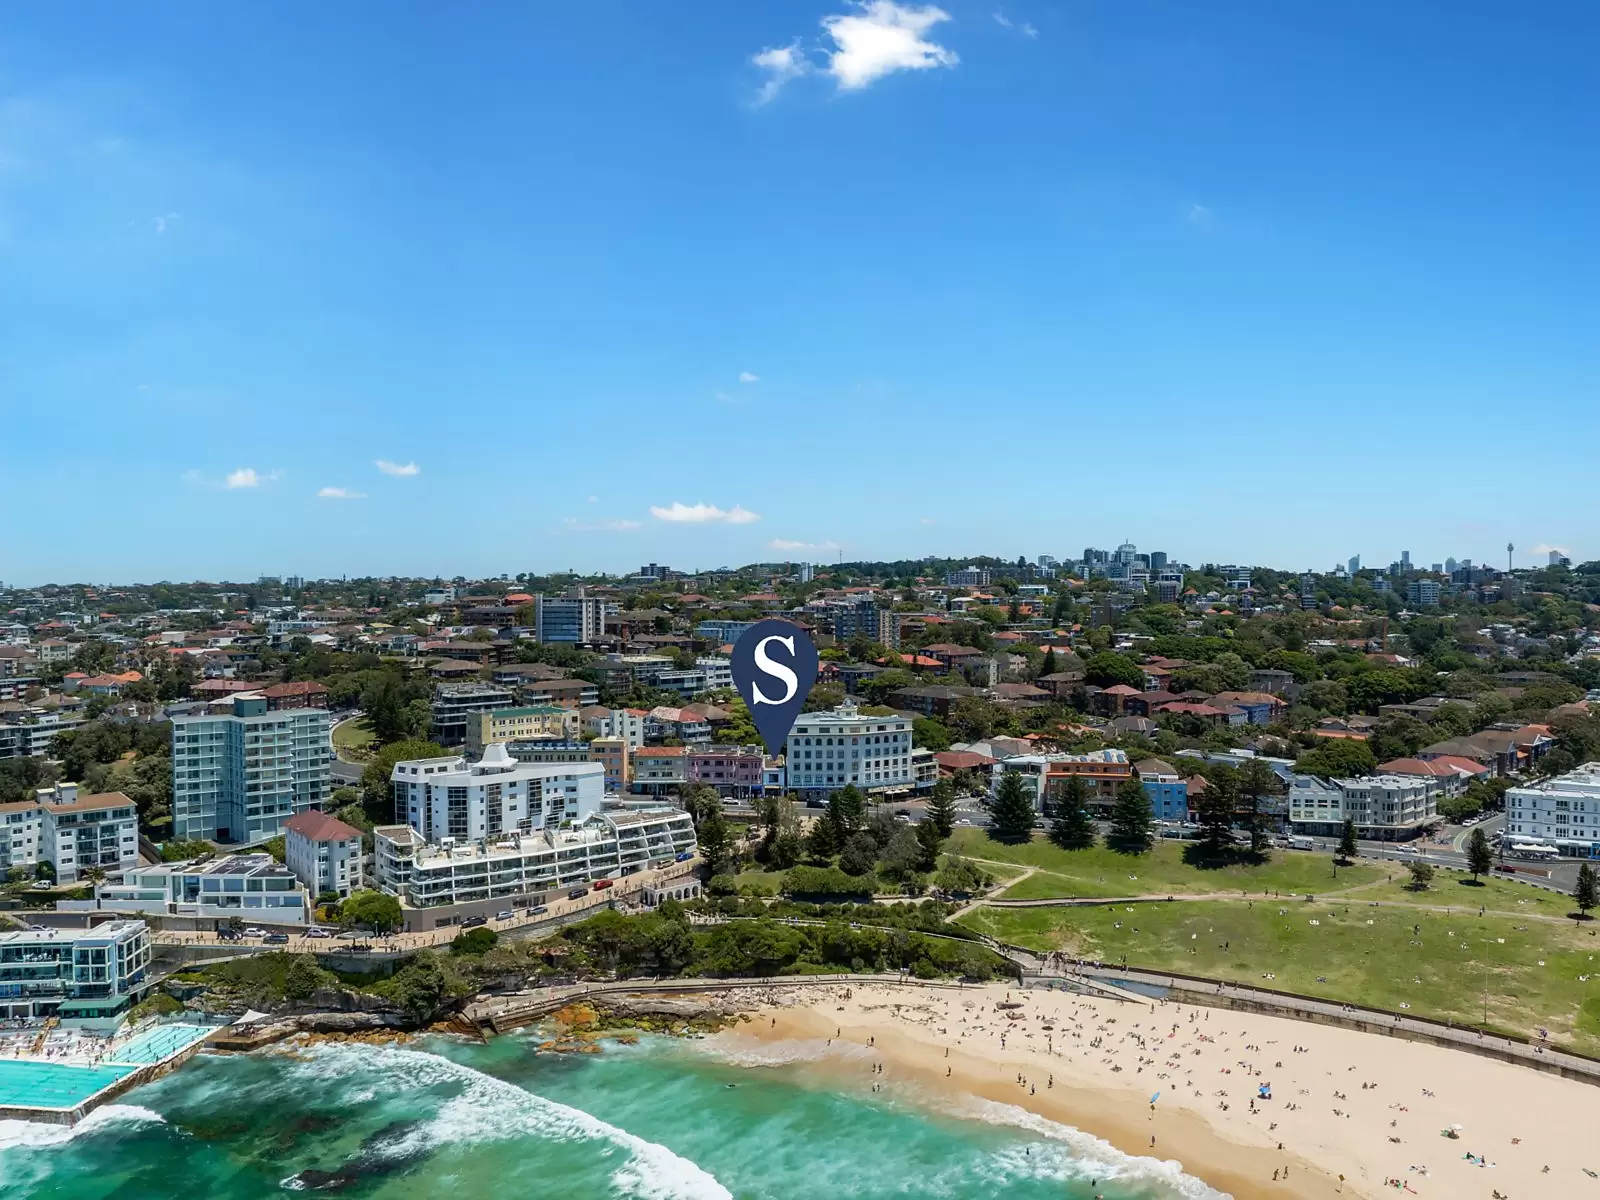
x=29, y=1084
x=153, y=1045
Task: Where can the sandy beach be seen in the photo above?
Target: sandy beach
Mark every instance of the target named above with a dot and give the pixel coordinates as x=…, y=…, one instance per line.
x=1368, y=1108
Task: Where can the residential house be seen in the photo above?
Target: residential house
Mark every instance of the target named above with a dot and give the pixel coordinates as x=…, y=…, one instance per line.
x=323, y=852
x=735, y=771
x=1169, y=794
x=664, y=723
x=660, y=769
x=931, y=701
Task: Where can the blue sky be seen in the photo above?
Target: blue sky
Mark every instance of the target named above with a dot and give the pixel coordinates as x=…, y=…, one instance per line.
x=605, y=283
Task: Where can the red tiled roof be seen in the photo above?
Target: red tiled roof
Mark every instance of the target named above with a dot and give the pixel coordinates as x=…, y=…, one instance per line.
x=305, y=687
x=661, y=752
x=962, y=760
x=1121, y=689
x=320, y=827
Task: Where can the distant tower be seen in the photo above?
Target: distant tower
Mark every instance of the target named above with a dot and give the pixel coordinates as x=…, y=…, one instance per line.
x=1509, y=549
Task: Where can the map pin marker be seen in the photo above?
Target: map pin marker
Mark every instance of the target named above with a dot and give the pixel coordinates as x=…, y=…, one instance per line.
x=774, y=666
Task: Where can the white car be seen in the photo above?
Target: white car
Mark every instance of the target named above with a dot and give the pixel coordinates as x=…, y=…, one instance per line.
x=318, y=933
x=254, y=932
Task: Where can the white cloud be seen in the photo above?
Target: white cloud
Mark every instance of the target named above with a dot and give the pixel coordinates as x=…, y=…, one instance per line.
x=160, y=224
x=703, y=514
x=782, y=63
x=926, y=521
x=610, y=525
x=1541, y=548
x=339, y=493
x=1025, y=29
x=882, y=37
x=749, y=377
x=594, y=499
x=249, y=477
x=827, y=547
x=402, y=470
x=1199, y=216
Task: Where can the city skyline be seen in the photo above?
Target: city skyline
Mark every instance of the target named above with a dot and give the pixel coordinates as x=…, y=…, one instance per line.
x=792, y=280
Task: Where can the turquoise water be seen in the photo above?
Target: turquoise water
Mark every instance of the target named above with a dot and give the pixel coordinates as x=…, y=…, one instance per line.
x=29, y=1084
x=655, y=1121
x=153, y=1045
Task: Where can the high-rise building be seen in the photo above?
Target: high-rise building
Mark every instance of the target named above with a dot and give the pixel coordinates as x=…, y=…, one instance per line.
x=1127, y=553
x=1047, y=560
x=243, y=768
x=1405, y=561
x=1354, y=565
x=864, y=618
x=806, y=572
x=1423, y=592
x=827, y=750
x=1158, y=560
x=574, y=619
x=1308, y=591
x=1450, y=566
x=454, y=798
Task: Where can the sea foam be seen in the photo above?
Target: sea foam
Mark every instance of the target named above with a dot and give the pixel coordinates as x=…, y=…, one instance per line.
x=35, y=1134
x=490, y=1109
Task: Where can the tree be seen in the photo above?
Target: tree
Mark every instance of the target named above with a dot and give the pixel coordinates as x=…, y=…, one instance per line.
x=1587, y=891
x=942, y=808
x=822, y=841
x=847, y=812
x=474, y=941
x=1109, y=668
x=1256, y=780
x=860, y=854
x=1214, y=811
x=904, y=857
x=929, y=841
x=931, y=733
x=1347, y=840
x=1012, y=810
x=1132, y=825
x=377, y=911
x=1480, y=859
x=1072, y=829
x=1048, y=665
x=714, y=839
x=1337, y=758
x=961, y=875
x=375, y=794
x=1421, y=876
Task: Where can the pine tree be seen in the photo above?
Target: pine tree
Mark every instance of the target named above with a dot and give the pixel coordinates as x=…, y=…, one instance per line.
x=1131, y=821
x=942, y=807
x=1214, y=812
x=847, y=812
x=1072, y=829
x=1012, y=810
x=929, y=841
x=1587, y=893
x=1347, y=839
x=1258, y=780
x=1048, y=666
x=1480, y=859
x=714, y=840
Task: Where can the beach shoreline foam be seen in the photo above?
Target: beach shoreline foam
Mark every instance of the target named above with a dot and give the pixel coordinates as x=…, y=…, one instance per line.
x=1342, y=1103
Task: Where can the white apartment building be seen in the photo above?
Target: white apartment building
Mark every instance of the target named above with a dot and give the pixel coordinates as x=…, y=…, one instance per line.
x=323, y=852
x=625, y=723
x=255, y=888
x=71, y=831
x=241, y=770
x=1387, y=808
x=448, y=882
x=827, y=750
x=1564, y=811
x=72, y=972
x=451, y=798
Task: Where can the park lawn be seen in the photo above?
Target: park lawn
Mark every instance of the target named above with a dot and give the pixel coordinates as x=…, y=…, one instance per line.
x=1454, y=889
x=1433, y=963
x=353, y=739
x=1162, y=872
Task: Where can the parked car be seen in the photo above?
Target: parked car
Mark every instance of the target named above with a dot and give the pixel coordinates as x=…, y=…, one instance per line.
x=602, y=884
x=686, y=856
x=276, y=939
x=315, y=932
x=540, y=910
x=576, y=893
x=474, y=922
x=505, y=914
x=254, y=932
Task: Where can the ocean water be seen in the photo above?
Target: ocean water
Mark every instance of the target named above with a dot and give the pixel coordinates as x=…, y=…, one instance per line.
x=655, y=1121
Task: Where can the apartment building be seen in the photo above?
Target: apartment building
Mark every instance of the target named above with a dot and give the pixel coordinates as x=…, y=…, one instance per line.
x=73, y=973
x=827, y=750
x=1389, y=808
x=724, y=633
x=624, y=723
x=613, y=754
x=1563, y=811
x=660, y=769
x=323, y=852
x=735, y=771
x=240, y=770
x=254, y=888
x=520, y=724
x=1103, y=771
x=469, y=801
x=74, y=832
x=441, y=885
x=575, y=619
x=455, y=704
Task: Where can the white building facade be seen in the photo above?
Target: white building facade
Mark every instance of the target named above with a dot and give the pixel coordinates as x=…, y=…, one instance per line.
x=254, y=888
x=829, y=750
x=1564, y=811
x=73, y=972
x=1387, y=808
x=323, y=852
x=75, y=833
x=451, y=798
